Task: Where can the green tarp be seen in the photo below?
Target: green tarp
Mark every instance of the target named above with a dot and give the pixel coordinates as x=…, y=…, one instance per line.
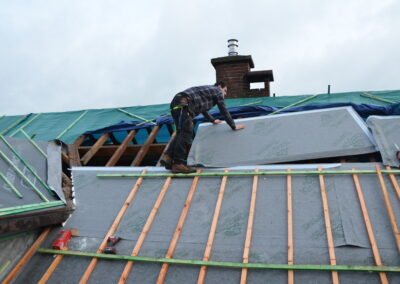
x=67, y=126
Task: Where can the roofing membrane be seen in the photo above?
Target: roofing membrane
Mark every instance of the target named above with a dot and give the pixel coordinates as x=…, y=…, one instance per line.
x=100, y=199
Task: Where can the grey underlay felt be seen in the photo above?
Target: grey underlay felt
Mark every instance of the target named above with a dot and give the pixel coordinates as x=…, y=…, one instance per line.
x=12, y=249
x=386, y=131
x=48, y=169
x=282, y=138
x=98, y=201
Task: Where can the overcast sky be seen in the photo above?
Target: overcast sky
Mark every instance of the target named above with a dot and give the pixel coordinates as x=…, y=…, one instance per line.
x=76, y=54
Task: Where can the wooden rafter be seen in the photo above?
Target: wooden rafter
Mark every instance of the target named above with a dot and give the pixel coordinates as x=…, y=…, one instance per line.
x=105, y=153
x=145, y=148
x=100, y=142
x=66, y=180
x=65, y=158
x=73, y=155
x=78, y=142
x=121, y=149
x=149, y=130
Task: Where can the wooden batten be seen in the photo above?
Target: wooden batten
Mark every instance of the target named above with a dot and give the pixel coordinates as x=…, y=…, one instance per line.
x=368, y=225
x=394, y=183
x=178, y=230
x=10, y=277
x=389, y=208
x=328, y=227
x=112, y=229
x=249, y=232
x=146, y=228
x=213, y=229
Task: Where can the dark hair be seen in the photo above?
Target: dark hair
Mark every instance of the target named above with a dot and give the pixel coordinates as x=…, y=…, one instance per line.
x=221, y=84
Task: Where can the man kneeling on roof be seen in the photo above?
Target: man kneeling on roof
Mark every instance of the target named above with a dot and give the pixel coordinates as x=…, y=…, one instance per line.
x=184, y=107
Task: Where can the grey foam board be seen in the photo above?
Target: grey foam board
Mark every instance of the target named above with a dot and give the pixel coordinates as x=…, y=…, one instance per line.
x=269, y=242
x=282, y=138
x=386, y=131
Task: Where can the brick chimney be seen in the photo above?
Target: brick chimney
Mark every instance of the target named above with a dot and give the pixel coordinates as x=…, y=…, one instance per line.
x=235, y=71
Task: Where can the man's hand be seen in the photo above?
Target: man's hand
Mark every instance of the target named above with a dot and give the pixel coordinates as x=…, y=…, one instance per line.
x=217, y=121
x=239, y=126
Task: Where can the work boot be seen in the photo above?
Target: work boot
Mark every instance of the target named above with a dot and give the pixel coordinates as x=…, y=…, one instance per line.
x=166, y=161
x=181, y=169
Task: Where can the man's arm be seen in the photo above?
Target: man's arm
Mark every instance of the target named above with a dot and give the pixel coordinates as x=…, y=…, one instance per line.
x=208, y=116
x=225, y=113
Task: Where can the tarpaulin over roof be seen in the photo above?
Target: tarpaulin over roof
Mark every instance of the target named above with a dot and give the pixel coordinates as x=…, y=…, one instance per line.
x=67, y=126
x=288, y=137
x=364, y=110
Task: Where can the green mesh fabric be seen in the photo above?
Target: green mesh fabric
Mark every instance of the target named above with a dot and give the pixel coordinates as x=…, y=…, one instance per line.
x=48, y=126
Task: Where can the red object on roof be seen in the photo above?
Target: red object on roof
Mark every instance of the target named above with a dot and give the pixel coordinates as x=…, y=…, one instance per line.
x=62, y=239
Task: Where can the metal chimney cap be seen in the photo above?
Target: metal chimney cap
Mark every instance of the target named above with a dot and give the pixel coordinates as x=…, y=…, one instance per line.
x=233, y=47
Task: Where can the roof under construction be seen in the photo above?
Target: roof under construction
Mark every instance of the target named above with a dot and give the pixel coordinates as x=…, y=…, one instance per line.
x=305, y=193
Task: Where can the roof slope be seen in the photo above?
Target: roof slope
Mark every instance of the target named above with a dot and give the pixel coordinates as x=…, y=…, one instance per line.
x=172, y=218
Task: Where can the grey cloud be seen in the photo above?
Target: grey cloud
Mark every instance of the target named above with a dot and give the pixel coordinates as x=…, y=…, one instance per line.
x=68, y=55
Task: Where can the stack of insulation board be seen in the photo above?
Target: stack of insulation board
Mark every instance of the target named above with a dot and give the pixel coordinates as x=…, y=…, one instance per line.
x=282, y=138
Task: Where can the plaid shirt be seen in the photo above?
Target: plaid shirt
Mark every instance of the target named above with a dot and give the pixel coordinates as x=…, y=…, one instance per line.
x=203, y=98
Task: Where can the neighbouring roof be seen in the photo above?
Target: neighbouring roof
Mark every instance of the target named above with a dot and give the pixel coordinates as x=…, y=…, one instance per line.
x=30, y=185
x=68, y=126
